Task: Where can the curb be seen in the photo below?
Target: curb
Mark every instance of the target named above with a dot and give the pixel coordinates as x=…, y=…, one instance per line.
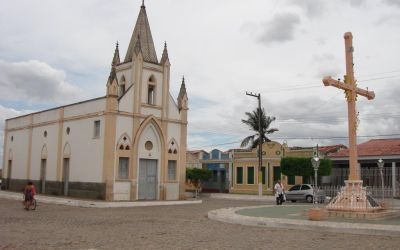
x=229, y=215
x=242, y=197
x=96, y=204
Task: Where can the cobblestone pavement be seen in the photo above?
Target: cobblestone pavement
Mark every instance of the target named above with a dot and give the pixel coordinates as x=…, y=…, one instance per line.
x=169, y=227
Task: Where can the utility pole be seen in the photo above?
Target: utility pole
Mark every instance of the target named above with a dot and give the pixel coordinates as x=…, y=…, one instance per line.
x=260, y=141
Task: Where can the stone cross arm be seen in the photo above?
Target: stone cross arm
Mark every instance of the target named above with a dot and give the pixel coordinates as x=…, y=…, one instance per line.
x=328, y=81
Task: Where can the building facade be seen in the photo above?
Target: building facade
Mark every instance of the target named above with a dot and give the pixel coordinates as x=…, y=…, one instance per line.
x=245, y=174
x=219, y=163
x=368, y=155
x=127, y=145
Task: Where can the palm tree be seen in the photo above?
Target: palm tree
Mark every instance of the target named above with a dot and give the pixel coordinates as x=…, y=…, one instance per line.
x=252, y=122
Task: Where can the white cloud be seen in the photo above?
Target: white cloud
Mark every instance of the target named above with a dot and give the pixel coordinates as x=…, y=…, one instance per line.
x=280, y=29
x=36, y=82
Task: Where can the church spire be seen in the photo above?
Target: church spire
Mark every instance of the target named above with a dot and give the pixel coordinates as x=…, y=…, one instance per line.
x=164, y=57
x=142, y=30
x=116, y=59
x=182, y=97
x=112, y=83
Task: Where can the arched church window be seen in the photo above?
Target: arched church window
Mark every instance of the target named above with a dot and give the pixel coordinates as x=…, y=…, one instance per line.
x=172, y=147
x=122, y=86
x=151, y=90
x=152, y=79
x=151, y=94
x=124, y=143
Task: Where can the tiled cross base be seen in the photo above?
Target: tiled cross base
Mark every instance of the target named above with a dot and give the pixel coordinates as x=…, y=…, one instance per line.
x=353, y=197
x=381, y=214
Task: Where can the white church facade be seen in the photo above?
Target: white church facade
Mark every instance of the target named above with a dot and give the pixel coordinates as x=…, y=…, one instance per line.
x=128, y=145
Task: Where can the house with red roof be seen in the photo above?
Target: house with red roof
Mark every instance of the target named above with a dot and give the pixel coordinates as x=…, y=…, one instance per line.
x=368, y=155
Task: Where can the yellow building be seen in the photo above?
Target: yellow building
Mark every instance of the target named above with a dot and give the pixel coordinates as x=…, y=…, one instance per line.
x=245, y=167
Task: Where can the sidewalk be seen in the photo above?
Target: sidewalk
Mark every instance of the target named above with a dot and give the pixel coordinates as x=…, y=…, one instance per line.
x=93, y=203
x=242, y=197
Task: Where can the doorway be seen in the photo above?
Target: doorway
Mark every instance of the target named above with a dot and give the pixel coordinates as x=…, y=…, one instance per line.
x=43, y=176
x=65, y=176
x=147, y=179
x=9, y=169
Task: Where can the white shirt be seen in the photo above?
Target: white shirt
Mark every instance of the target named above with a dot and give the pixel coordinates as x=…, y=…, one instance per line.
x=278, y=188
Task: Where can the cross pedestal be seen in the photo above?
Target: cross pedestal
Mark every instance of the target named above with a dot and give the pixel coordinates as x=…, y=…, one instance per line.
x=353, y=197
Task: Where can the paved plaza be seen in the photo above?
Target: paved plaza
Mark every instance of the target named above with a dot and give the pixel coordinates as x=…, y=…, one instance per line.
x=159, y=227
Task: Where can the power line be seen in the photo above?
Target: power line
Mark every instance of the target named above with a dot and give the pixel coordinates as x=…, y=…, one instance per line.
x=316, y=85
x=304, y=138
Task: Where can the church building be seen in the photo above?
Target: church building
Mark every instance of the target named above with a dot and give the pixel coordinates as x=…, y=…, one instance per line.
x=127, y=145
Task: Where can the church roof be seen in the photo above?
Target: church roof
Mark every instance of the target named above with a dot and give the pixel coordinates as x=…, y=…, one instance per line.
x=142, y=37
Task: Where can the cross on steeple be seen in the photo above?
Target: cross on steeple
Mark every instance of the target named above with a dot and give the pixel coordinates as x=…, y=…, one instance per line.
x=351, y=90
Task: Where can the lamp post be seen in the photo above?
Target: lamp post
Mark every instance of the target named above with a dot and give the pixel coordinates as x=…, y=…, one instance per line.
x=258, y=96
x=381, y=164
x=315, y=164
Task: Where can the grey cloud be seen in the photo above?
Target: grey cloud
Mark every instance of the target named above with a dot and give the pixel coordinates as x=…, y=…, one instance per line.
x=35, y=81
x=280, y=29
x=387, y=19
x=312, y=8
x=356, y=3
x=392, y=2
x=326, y=65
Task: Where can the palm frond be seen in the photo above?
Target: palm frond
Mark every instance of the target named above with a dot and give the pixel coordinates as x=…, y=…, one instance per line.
x=246, y=141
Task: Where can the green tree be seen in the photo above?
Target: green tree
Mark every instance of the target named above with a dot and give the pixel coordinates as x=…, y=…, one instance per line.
x=300, y=166
x=196, y=176
x=252, y=141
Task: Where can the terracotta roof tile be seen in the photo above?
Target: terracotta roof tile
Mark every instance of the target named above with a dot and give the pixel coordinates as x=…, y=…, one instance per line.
x=376, y=147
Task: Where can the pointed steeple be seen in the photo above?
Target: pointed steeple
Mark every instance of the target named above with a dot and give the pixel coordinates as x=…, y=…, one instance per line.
x=164, y=57
x=142, y=30
x=182, y=97
x=112, y=83
x=116, y=59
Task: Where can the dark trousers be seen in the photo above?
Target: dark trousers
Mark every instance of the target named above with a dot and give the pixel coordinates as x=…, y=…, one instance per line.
x=279, y=199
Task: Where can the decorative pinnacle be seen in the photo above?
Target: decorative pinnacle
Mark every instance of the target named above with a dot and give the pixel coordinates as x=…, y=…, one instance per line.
x=183, y=79
x=143, y=4
x=165, y=44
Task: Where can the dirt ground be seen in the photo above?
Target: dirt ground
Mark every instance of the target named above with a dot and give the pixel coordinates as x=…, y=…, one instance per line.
x=166, y=227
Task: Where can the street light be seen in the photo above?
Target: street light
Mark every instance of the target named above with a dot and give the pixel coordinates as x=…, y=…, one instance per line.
x=315, y=164
x=381, y=164
x=260, y=151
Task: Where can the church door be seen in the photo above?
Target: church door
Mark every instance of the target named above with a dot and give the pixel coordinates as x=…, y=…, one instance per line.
x=9, y=174
x=65, y=176
x=43, y=176
x=147, y=179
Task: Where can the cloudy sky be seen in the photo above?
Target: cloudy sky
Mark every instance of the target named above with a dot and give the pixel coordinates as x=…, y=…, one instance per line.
x=59, y=52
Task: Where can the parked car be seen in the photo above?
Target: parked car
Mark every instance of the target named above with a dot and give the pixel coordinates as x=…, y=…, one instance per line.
x=304, y=192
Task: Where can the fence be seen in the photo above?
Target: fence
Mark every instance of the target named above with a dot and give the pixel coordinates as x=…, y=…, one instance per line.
x=376, y=192
x=370, y=176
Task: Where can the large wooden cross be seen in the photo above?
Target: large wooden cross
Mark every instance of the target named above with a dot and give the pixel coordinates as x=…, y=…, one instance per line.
x=351, y=91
